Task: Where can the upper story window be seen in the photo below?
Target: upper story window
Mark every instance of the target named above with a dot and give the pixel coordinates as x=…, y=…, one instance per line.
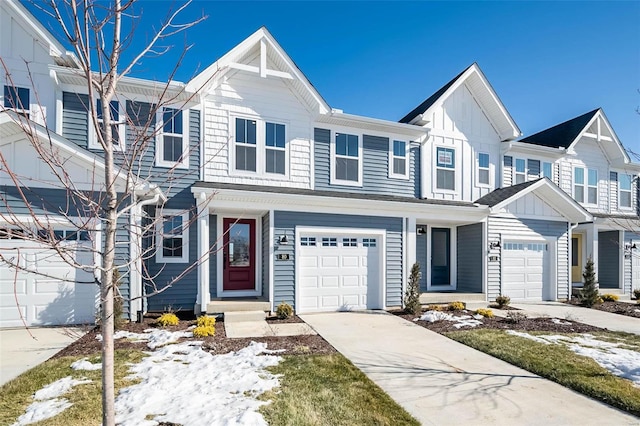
x=398, y=156
x=346, y=160
x=520, y=171
x=592, y=184
x=246, y=145
x=624, y=184
x=117, y=126
x=445, y=168
x=173, y=142
x=533, y=168
x=547, y=170
x=275, y=148
x=17, y=98
x=578, y=184
x=173, y=237
x=484, y=176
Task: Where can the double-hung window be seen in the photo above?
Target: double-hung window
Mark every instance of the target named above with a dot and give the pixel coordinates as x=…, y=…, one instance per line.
x=117, y=126
x=347, y=160
x=446, y=168
x=246, y=145
x=173, y=139
x=624, y=185
x=547, y=170
x=173, y=236
x=483, y=169
x=398, y=165
x=275, y=148
x=520, y=171
x=592, y=186
x=578, y=184
x=17, y=98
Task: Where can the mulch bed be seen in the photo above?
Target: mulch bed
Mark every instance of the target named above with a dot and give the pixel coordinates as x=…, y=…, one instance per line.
x=294, y=319
x=528, y=324
x=620, y=308
x=218, y=344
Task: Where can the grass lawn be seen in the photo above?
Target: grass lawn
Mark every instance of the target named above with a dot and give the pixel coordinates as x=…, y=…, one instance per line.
x=16, y=395
x=329, y=390
x=560, y=364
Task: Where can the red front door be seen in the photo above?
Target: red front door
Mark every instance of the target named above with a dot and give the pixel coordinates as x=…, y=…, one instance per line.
x=239, y=254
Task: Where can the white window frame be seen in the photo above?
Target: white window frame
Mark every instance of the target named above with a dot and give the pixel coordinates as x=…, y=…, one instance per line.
x=583, y=184
x=542, y=174
x=589, y=186
x=454, y=169
x=392, y=158
x=261, y=147
x=92, y=141
x=22, y=111
x=160, y=258
x=160, y=161
x=516, y=173
x=478, y=169
x=333, y=157
x=630, y=191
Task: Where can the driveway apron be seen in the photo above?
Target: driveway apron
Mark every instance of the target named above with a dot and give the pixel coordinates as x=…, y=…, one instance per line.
x=442, y=382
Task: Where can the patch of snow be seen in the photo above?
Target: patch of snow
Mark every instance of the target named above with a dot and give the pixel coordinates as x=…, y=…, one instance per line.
x=559, y=321
x=636, y=310
x=155, y=337
x=84, y=364
x=466, y=321
x=461, y=321
x=184, y=384
x=433, y=316
x=619, y=361
x=47, y=404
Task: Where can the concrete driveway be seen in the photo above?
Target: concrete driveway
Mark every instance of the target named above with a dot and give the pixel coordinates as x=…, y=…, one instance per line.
x=19, y=351
x=442, y=382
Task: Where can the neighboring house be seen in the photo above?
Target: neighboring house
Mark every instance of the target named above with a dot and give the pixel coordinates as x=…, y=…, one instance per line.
x=585, y=158
x=281, y=198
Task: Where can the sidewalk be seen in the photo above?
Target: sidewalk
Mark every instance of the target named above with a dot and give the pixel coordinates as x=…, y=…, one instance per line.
x=442, y=382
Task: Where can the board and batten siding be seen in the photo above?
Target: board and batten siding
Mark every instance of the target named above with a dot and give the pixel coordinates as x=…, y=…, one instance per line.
x=503, y=228
x=246, y=95
x=285, y=223
x=375, y=167
x=630, y=256
x=609, y=259
x=470, y=257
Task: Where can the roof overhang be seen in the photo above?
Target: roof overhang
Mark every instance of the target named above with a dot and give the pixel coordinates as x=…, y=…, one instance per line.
x=527, y=148
x=554, y=197
x=339, y=118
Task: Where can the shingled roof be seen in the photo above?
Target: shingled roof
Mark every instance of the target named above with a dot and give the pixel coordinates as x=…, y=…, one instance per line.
x=499, y=195
x=561, y=135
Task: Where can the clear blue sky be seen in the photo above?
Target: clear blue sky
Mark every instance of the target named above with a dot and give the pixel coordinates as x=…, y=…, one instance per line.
x=548, y=61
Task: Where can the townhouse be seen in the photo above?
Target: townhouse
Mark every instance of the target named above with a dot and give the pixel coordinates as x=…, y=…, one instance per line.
x=277, y=197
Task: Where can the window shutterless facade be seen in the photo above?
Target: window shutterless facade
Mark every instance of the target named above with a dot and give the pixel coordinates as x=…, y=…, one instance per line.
x=445, y=168
x=578, y=184
x=484, y=176
x=624, y=185
x=173, y=236
x=260, y=147
x=245, y=145
x=17, y=99
x=173, y=141
x=275, y=148
x=117, y=126
x=398, y=159
x=520, y=171
x=592, y=186
x=346, y=159
x=547, y=170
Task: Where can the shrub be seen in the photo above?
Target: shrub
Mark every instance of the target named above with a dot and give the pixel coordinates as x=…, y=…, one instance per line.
x=516, y=317
x=168, y=319
x=589, y=295
x=456, y=306
x=284, y=310
x=487, y=313
x=609, y=297
x=206, y=321
x=503, y=301
x=636, y=294
x=204, y=330
x=434, y=308
x=412, y=294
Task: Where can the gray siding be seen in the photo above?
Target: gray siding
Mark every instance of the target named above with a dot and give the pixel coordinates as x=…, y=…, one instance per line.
x=609, y=259
x=375, y=174
x=505, y=227
x=284, y=271
x=75, y=121
x=417, y=170
x=470, y=258
x=628, y=267
x=421, y=258
x=213, y=256
x=265, y=255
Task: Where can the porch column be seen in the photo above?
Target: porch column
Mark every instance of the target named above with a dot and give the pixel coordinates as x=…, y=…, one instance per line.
x=411, y=242
x=135, y=250
x=204, y=296
x=591, y=248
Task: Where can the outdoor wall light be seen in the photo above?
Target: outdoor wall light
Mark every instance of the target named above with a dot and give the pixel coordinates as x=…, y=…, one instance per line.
x=283, y=240
x=421, y=230
x=630, y=246
x=494, y=245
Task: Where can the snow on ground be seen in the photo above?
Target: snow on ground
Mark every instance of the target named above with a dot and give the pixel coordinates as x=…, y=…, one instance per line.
x=622, y=362
x=84, y=364
x=155, y=337
x=47, y=404
x=461, y=321
x=184, y=384
x=559, y=321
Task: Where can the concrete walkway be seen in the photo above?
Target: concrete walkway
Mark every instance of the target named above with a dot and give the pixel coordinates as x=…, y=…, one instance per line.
x=19, y=351
x=442, y=382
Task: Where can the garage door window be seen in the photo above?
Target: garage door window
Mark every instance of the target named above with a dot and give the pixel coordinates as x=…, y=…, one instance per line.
x=350, y=242
x=308, y=241
x=536, y=247
x=513, y=246
x=369, y=242
x=329, y=242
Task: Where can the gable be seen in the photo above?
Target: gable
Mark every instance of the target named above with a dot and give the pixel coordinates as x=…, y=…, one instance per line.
x=532, y=205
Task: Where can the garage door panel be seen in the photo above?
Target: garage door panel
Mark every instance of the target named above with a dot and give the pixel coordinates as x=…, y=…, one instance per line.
x=525, y=272
x=350, y=261
x=308, y=261
x=330, y=261
x=351, y=281
x=7, y=287
x=329, y=301
x=309, y=282
x=330, y=282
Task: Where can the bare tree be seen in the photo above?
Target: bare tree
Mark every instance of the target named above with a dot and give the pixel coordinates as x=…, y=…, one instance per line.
x=95, y=30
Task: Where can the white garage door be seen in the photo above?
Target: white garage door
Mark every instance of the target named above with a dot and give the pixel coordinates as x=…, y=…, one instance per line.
x=525, y=270
x=339, y=272
x=53, y=296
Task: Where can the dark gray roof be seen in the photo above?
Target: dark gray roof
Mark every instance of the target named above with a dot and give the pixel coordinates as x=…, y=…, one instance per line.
x=334, y=194
x=431, y=99
x=499, y=195
x=616, y=216
x=561, y=135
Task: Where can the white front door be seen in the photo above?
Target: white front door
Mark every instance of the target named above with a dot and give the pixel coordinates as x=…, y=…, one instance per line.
x=525, y=270
x=338, y=272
